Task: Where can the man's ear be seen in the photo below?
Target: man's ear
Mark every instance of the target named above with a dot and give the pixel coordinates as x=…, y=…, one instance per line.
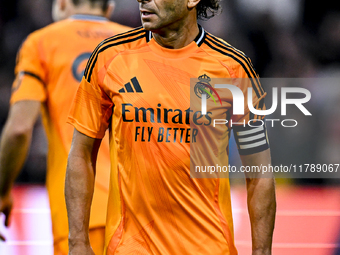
x=193, y=3
x=110, y=8
x=61, y=4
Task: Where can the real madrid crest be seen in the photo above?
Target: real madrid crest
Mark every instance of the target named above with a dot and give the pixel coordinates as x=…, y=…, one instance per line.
x=202, y=86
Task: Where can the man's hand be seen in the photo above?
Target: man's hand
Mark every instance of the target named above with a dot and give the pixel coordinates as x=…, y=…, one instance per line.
x=6, y=204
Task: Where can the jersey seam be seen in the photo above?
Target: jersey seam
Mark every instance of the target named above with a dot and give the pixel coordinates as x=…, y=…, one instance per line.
x=106, y=45
x=241, y=62
x=75, y=123
x=108, y=63
x=225, y=66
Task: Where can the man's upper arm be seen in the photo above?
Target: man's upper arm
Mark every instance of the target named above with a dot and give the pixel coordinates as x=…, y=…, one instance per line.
x=23, y=115
x=30, y=80
x=83, y=145
x=258, y=160
x=249, y=128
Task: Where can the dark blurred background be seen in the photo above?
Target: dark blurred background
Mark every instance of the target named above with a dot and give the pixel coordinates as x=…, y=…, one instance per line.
x=286, y=39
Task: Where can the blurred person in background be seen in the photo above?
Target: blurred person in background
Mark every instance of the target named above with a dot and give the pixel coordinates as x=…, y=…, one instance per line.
x=49, y=67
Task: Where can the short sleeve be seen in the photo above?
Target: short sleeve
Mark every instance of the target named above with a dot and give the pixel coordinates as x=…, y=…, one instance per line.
x=92, y=108
x=30, y=74
x=251, y=88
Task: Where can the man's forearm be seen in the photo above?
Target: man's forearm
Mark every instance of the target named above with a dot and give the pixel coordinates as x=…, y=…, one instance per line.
x=15, y=141
x=261, y=203
x=262, y=209
x=79, y=186
x=13, y=152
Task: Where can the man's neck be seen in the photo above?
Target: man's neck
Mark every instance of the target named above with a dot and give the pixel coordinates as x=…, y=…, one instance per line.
x=173, y=38
x=88, y=10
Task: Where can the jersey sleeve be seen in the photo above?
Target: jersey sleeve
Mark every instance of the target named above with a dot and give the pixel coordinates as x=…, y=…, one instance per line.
x=250, y=129
x=30, y=74
x=249, y=79
x=91, y=110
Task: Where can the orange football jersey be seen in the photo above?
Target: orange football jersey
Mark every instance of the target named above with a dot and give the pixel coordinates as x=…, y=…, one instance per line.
x=140, y=91
x=49, y=67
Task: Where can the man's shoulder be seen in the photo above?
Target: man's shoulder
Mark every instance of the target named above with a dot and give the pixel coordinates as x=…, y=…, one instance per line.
x=118, y=28
x=49, y=32
x=221, y=48
x=131, y=39
x=113, y=46
x=66, y=25
x=58, y=25
x=227, y=53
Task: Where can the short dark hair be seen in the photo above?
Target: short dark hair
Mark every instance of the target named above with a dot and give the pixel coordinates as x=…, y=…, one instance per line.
x=103, y=3
x=207, y=9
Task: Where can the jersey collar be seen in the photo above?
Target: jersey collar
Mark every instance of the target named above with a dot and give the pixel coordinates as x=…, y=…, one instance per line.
x=198, y=40
x=200, y=37
x=88, y=17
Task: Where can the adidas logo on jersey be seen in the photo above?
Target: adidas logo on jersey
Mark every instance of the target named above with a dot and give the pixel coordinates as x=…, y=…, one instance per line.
x=128, y=87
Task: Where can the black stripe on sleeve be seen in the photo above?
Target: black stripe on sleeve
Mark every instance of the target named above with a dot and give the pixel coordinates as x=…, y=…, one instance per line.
x=138, y=30
x=237, y=60
x=32, y=75
x=240, y=55
x=106, y=47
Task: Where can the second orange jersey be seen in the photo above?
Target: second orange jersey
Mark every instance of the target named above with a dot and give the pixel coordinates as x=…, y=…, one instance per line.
x=49, y=68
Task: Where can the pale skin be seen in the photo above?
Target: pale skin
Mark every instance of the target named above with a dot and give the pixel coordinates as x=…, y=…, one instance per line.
x=17, y=134
x=174, y=25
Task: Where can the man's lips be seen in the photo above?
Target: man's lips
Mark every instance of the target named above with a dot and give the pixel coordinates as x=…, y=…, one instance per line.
x=146, y=13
